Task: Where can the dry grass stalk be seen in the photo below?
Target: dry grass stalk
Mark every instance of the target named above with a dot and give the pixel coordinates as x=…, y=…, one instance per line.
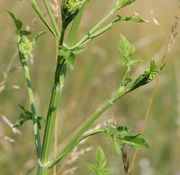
x=168, y=46
x=125, y=158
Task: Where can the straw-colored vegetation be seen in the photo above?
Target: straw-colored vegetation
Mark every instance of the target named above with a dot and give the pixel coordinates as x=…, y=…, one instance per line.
x=95, y=83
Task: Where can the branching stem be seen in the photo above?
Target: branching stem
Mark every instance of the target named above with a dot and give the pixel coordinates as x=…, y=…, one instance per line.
x=51, y=115
x=78, y=137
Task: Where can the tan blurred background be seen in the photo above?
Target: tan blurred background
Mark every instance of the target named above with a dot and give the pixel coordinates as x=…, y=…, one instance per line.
x=93, y=81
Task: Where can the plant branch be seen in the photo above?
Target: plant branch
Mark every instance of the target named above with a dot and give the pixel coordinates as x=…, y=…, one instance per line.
x=86, y=37
x=78, y=137
x=89, y=35
x=43, y=19
x=52, y=19
x=51, y=115
x=33, y=109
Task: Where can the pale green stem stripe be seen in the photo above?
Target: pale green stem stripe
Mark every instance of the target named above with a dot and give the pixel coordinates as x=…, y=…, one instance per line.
x=33, y=110
x=51, y=116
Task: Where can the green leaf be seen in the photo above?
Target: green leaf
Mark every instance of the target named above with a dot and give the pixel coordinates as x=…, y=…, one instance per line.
x=133, y=18
x=17, y=21
x=153, y=65
x=25, y=32
x=123, y=130
x=93, y=168
x=115, y=134
x=107, y=171
x=100, y=167
x=148, y=76
x=25, y=116
x=162, y=67
x=126, y=49
x=68, y=55
x=116, y=131
x=121, y=135
x=100, y=157
x=19, y=25
x=136, y=142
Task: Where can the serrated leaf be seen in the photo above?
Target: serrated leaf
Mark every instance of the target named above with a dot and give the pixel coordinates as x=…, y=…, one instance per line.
x=123, y=130
x=126, y=49
x=107, y=171
x=136, y=142
x=100, y=167
x=115, y=134
x=100, y=157
x=93, y=168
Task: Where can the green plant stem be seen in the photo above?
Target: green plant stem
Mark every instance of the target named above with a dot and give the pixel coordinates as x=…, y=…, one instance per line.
x=51, y=116
x=33, y=110
x=52, y=19
x=86, y=37
x=43, y=19
x=78, y=137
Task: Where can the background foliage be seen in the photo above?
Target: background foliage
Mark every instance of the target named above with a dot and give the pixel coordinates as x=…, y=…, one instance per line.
x=94, y=79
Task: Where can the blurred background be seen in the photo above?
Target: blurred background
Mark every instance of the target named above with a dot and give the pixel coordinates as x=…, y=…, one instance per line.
x=94, y=80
